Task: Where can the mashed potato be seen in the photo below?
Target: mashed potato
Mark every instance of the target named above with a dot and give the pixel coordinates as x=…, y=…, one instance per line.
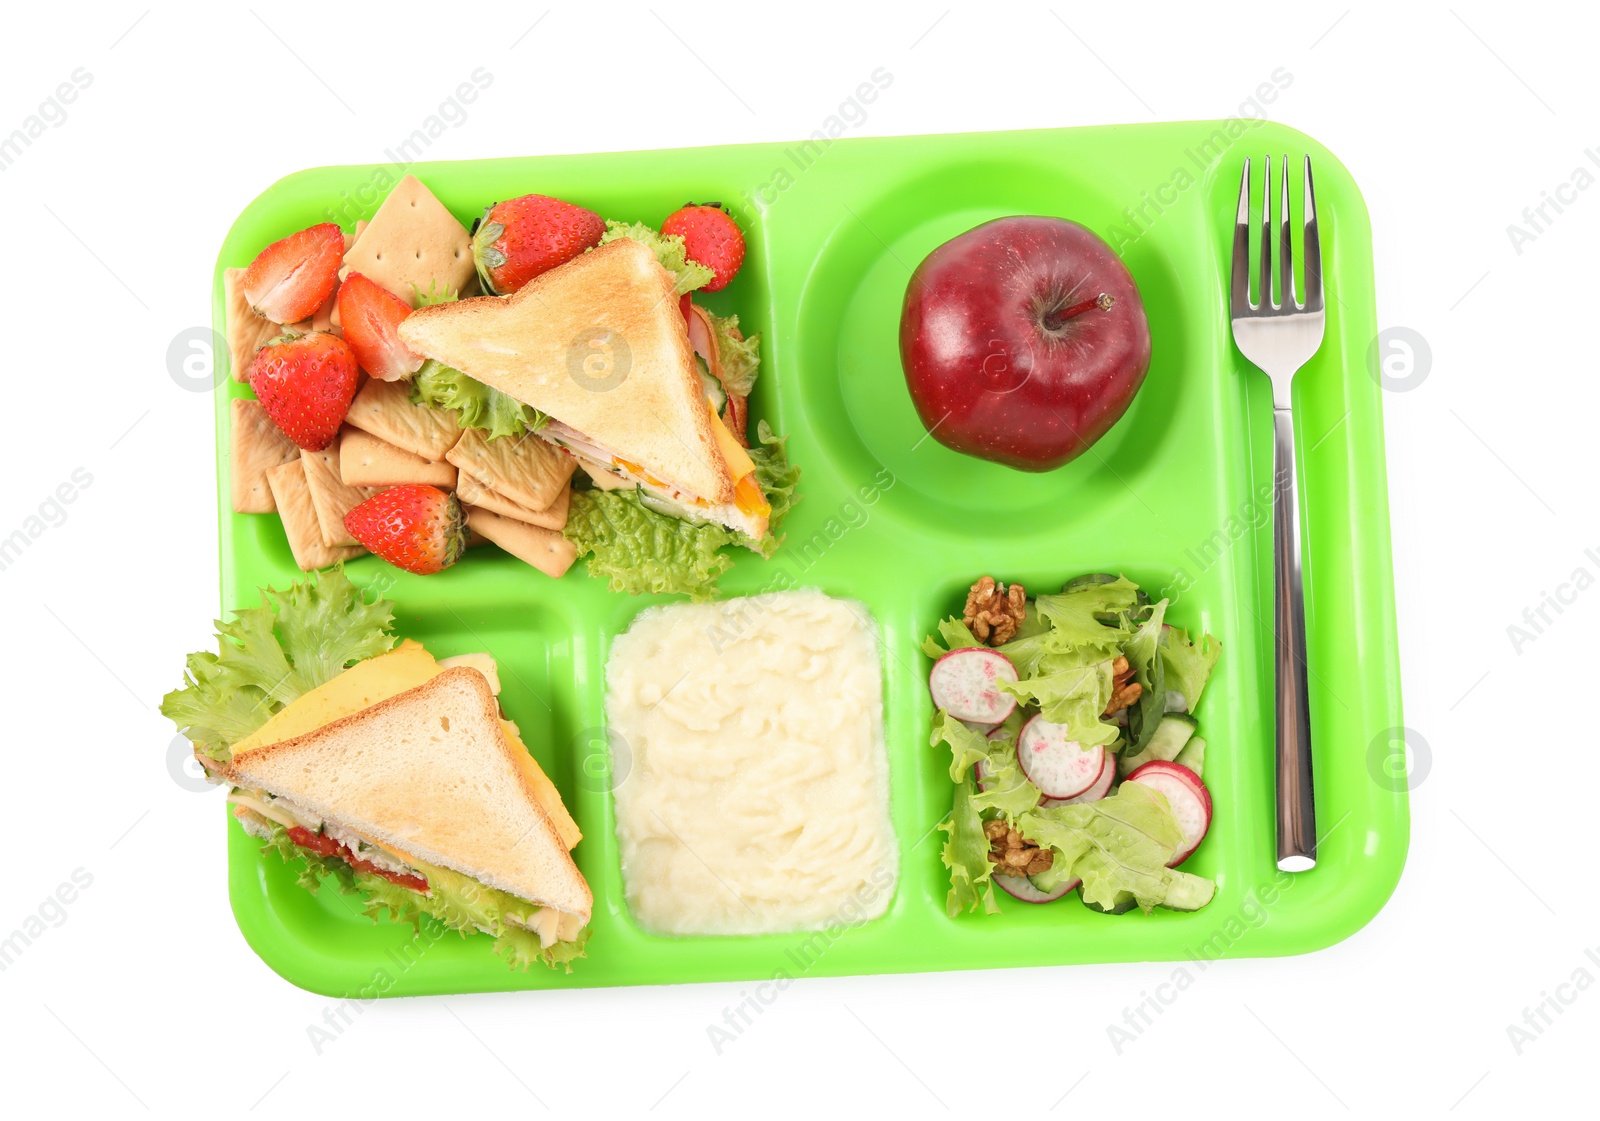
x=752, y=781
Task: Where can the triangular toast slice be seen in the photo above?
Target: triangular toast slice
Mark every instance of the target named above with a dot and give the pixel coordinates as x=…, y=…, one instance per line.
x=600, y=344
x=429, y=774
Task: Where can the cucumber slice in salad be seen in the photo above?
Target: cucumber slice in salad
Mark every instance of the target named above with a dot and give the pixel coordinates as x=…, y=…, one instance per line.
x=1188, y=893
x=1193, y=756
x=1168, y=740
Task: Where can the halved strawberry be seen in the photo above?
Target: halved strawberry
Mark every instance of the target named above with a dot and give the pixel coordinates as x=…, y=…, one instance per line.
x=520, y=238
x=370, y=315
x=292, y=277
x=415, y=527
x=305, y=383
x=710, y=237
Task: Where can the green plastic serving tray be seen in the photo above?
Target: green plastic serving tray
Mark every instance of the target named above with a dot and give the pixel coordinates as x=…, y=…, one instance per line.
x=1173, y=496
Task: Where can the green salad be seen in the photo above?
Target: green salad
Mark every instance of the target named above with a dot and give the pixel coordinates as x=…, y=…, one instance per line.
x=1069, y=718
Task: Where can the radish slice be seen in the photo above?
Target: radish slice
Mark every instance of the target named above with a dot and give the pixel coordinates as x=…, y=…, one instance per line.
x=966, y=684
x=1059, y=767
x=1101, y=787
x=1188, y=797
x=1020, y=887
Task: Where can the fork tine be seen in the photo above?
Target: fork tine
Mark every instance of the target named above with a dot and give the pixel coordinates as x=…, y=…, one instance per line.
x=1285, y=245
x=1239, y=294
x=1313, y=248
x=1266, y=232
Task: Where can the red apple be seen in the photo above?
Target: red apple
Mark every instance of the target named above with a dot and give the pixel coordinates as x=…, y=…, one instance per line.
x=1023, y=340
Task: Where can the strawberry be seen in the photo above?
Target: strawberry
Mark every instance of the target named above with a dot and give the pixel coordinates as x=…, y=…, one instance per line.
x=291, y=278
x=710, y=237
x=415, y=527
x=305, y=383
x=370, y=316
x=520, y=238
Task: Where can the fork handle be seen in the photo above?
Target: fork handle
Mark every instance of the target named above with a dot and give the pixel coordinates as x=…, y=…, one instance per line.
x=1297, y=824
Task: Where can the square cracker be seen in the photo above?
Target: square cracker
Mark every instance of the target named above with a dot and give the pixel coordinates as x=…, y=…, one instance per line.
x=255, y=445
x=528, y=471
x=293, y=496
x=545, y=549
x=330, y=498
x=474, y=493
x=366, y=461
x=247, y=331
x=411, y=243
x=384, y=409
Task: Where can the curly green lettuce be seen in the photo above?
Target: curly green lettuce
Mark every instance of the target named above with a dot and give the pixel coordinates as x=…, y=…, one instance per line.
x=1007, y=790
x=778, y=479
x=1187, y=663
x=1119, y=846
x=966, y=854
x=955, y=635
x=642, y=551
x=1090, y=620
x=1075, y=697
x=456, y=902
x=476, y=405
x=268, y=656
x=1144, y=716
x=668, y=250
x=740, y=357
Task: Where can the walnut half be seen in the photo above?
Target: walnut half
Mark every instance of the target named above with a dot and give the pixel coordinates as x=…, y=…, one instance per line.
x=994, y=611
x=1124, y=689
x=1012, y=854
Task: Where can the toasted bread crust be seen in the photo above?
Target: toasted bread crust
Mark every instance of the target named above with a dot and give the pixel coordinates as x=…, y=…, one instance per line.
x=523, y=345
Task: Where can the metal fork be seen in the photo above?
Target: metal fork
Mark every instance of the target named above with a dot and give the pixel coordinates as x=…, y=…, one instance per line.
x=1280, y=338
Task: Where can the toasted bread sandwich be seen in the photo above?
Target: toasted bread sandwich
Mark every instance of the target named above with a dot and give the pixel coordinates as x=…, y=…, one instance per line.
x=600, y=346
x=424, y=789
x=385, y=771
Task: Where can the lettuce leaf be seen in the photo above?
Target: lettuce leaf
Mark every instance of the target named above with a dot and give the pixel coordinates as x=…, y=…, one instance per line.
x=1188, y=663
x=1009, y=791
x=1118, y=844
x=668, y=250
x=956, y=635
x=1150, y=672
x=966, y=746
x=455, y=901
x=476, y=405
x=966, y=854
x=267, y=656
x=778, y=479
x=1091, y=615
x=1075, y=697
x=740, y=357
x=1081, y=627
x=1010, y=794
x=642, y=551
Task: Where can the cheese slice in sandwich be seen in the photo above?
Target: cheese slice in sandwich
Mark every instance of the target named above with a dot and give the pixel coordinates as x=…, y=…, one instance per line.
x=600, y=346
x=427, y=784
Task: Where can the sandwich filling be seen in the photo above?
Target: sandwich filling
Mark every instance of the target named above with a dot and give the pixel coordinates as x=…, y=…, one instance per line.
x=594, y=457
x=275, y=819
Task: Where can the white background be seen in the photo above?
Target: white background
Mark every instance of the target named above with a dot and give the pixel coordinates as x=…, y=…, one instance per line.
x=146, y=994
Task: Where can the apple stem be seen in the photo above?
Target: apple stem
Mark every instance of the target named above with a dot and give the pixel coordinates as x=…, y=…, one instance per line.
x=1103, y=302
